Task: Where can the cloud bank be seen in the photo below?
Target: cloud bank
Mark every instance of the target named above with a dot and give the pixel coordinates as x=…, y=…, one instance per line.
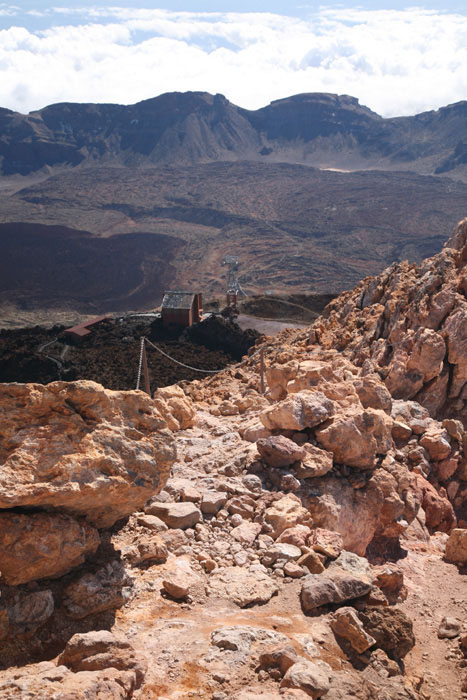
x=396, y=62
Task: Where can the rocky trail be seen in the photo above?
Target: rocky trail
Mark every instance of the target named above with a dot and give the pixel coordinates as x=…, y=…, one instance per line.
x=219, y=542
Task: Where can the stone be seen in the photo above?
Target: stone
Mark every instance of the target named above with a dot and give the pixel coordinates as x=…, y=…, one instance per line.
x=293, y=570
x=345, y=623
x=319, y=589
x=233, y=638
x=68, y=446
x=437, y=446
x=285, y=513
x=311, y=676
x=246, y=532
x=42, y=545
x=254, y=431
x=297, y=535
x=152, y=522
x=401, y=431
x=278, y=451
x=326, y=542
x=391, y=628
x=317, y=462
x=456, y=546
x=312, y=562
x=46, y=680
x=373, y=394
x=174, y=540
x=357, y=438
x=390, y=579
x=280, y=551
x=107, y=589
x=29, y=612
x=95, y=651
x=178, y=516
x=172, y=401
x=178, y=584
x=449, y=628
x=281, y=656
x=243, y=587
x=146, y=548
x=212, y=502
x=376, y=508
x=298, y=411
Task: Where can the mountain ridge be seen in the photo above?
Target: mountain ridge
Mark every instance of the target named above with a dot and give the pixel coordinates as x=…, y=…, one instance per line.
x=318, y=129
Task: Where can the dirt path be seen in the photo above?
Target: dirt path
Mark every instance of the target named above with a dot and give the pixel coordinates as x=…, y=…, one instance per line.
x=266, y=326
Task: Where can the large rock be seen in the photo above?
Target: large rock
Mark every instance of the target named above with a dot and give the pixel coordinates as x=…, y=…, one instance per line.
x=46, y=680
x=345, y=623
x=355, y=439
x=383, y=507
x=108, y=589
x=279, y=451
x=313, y=677
x=82, y=449
x=241, y=586
x=175, y=515
x=26, y=614
x=456, y=546
x=175, y=406
x=42, y=545
x=298, y=411
x=321, y=589
x=391, y=628
x=95, y=651
x=285, y=513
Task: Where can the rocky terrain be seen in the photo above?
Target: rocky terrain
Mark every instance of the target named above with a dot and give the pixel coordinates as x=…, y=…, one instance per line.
x=233, y=541
x=101, y=240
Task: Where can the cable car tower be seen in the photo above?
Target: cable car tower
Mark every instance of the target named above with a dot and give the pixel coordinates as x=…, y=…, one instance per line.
x=233, y=285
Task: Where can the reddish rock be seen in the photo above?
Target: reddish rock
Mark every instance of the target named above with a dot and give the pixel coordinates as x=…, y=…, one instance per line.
x=279, y=451
x=42, y=545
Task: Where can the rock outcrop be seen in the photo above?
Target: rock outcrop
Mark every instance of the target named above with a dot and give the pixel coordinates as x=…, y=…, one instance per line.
x=81, y=449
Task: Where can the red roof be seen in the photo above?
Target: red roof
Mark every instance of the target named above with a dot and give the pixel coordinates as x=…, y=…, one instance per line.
x=83, y=328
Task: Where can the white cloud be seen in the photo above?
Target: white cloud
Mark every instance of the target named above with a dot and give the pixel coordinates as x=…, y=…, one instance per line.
x=396, y=62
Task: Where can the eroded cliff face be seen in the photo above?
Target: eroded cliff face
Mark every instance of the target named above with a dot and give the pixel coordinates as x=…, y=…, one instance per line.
x=292, y=546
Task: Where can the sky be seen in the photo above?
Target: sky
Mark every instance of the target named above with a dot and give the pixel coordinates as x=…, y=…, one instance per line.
x=398, y=58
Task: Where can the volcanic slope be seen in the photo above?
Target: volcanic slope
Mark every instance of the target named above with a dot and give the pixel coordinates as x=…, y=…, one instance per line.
x=295, y=228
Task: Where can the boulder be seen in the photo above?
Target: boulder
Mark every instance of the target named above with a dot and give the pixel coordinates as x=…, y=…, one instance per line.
x=82, y=449
x=391, y=628
x=321, y=589
x=46, y=680
x=317, y=462
x=356, y=438
x=313, y=677
x=212, y=502
x=280, y=656
x=346, y=624
x=456, y=546
x=175, y=515
x=171, y=401
x=99, y=650
x=42, y=545
x=298, y=411
x=28, y=612
x=107, y=589
x=279, y=451
x=241, y=586
x=285, y=513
